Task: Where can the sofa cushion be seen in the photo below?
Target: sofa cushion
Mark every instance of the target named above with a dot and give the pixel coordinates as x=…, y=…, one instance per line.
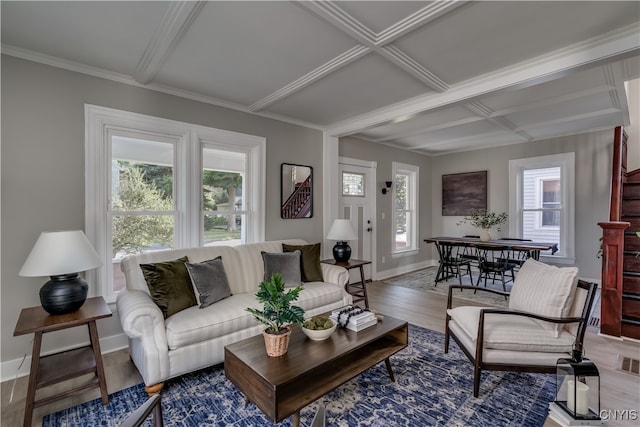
x=210, y=278
x=286, y=265
x=226, y=316
x=229, y=315
x=309, y=261
x=505, y=332
x=169, y=285
x=545, y=290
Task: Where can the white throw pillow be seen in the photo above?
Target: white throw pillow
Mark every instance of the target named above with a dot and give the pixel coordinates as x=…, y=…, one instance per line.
x=545, y=290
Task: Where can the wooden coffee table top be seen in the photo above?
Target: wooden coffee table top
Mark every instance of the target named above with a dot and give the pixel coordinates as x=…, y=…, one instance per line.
x=281, y=386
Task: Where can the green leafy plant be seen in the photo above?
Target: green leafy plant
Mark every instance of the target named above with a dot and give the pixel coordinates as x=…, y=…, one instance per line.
x=277, y=309
x=485, y=219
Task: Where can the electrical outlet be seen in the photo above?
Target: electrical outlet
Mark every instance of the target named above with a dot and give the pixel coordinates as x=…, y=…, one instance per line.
x=382, y=214
x=383, y=260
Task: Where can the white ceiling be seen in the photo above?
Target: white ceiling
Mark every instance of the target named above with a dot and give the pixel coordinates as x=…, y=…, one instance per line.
x=430, y=77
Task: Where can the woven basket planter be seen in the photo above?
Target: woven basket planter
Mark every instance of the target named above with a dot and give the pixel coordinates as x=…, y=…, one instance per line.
x=276, y=345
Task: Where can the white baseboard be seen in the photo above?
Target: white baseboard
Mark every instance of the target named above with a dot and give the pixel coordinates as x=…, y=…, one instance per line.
x=9, y=368
x=385, y=274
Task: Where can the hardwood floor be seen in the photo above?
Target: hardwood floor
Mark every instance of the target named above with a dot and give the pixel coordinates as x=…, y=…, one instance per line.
x=619, y=390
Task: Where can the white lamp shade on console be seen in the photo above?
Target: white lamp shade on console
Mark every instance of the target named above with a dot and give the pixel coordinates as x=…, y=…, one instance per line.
x=61, y=255
x=342, y=230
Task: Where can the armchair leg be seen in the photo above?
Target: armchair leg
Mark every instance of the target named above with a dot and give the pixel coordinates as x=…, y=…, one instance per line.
x=446, y=339
x=153, y=389
x=476, y=381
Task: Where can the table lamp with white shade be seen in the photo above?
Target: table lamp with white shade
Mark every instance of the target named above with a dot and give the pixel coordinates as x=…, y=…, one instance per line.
x=61, y=255
x=341, y=230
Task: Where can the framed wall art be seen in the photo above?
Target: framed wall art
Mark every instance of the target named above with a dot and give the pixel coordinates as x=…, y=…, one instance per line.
x=463, y=193
x=296, y=191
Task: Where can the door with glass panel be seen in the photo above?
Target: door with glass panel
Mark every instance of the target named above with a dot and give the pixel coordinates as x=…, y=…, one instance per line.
x=356, y=204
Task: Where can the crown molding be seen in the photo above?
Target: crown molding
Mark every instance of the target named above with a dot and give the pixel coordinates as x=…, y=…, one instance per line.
x=128, y=80
x=616, y=45
x=175, y=23
x=331, y=13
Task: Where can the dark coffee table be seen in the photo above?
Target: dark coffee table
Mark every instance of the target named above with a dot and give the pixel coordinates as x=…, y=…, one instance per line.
x=282, y=386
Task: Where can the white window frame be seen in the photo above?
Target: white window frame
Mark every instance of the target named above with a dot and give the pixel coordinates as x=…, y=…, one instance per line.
x=566, y=162
x=101, y=122
x=413, y=172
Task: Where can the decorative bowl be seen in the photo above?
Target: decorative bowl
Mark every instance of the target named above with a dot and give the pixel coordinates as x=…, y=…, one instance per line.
x=319, y=335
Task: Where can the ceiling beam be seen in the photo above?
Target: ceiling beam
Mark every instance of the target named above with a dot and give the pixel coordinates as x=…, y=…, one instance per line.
x=614, y=46
x=311, y=77
x=175, y=23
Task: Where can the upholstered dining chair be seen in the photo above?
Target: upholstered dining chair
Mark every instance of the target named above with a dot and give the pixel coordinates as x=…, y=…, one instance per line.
x=546, y=319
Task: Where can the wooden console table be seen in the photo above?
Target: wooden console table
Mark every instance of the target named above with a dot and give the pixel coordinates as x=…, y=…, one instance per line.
x=54, y=368
x=357, y=289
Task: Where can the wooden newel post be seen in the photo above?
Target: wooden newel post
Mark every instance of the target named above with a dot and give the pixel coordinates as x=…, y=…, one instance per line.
x=612, y=263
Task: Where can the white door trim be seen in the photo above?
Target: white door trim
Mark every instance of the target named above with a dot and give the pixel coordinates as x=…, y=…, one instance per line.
x=373, y=177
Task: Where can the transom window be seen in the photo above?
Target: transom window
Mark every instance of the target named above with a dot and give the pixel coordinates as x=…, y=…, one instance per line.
x=154, y=184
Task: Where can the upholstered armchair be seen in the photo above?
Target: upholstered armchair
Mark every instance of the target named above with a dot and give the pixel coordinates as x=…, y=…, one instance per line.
x=546, y=319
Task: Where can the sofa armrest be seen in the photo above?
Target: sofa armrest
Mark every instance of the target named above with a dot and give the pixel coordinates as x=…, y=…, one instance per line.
x=139, y=316
x=143, y=322
x=335, y=274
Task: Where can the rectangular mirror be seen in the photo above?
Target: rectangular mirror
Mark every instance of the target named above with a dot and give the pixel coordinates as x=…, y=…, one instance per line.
x=296, y=191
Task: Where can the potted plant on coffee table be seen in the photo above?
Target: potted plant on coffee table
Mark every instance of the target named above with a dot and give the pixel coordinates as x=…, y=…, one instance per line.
x=277, y=314
x=485, y=220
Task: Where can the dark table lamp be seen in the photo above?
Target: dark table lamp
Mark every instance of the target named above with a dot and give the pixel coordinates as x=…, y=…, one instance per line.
x=61, y=255
x=342, y=230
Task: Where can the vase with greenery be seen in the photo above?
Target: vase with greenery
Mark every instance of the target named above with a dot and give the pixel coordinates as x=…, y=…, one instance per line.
x=485, y=220
x=277, y=313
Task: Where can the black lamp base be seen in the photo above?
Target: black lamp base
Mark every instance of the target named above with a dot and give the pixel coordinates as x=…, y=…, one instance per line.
x=63, y=294
x=342, y=252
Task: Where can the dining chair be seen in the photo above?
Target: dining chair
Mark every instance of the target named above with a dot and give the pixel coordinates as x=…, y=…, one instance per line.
x=493, y=261
x=516, y=256
x=452, y=261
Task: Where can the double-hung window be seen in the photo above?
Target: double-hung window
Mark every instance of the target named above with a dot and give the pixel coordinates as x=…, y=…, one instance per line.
x=405, y=208
x=154, y=184
x=541, y=202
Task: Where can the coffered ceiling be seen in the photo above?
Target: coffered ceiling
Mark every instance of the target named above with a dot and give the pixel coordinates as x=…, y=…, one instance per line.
x=432, y=77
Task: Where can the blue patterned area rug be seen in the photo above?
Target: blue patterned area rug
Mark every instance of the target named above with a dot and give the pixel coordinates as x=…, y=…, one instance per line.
x=431, y=389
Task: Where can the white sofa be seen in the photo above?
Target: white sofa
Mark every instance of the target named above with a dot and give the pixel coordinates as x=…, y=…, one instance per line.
x=195, y=338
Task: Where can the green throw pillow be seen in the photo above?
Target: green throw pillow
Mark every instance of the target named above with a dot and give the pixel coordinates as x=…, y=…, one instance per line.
x=169, y=285
x=310, y=261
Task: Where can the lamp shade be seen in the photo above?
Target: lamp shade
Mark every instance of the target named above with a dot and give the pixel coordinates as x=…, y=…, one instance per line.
x=58, y=253
x=341, y=230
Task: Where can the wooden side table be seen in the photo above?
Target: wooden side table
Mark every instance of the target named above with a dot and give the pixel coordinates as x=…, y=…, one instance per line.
x=357, y=289
x=54, y=368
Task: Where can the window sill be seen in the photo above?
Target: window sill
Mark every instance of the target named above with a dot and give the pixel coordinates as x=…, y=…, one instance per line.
x=408, y=252
x=551, y=259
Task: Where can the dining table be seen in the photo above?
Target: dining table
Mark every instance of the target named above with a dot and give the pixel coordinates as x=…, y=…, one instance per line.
x=533, y=248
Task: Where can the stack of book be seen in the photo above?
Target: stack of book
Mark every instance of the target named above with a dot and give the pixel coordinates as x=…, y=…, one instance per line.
x=357, y=318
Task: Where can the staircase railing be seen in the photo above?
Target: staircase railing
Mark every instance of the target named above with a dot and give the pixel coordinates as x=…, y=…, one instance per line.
x=299, y=203
x=613, y=243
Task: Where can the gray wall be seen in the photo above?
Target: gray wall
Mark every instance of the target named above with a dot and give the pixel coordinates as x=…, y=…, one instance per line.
x=385, y=156
x=43, y=171
x=593, y=159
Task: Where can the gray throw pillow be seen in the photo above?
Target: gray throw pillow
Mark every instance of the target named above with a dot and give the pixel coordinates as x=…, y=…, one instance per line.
x=287, y=264
x=210, y=279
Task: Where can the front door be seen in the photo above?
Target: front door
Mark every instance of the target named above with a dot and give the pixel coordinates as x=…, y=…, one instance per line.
x=357, y=200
